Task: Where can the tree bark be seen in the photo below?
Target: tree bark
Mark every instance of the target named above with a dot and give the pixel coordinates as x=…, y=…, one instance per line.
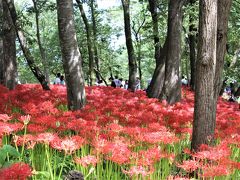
x=23, y=43
x=137, y=36
x=1, y=42
x=9, y=50
x=41, y=49
x=154, y=15
x=204, y=121
x=72, y=61
x=172, y=83
x=95, y=47
x=192, y=46
x=131, y=55
x=156, y=84
x=89, y=42
x=224, y=7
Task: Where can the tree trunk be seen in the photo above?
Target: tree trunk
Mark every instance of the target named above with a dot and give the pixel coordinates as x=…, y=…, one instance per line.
x=139, y=58
x=89, y=42
x=172, y=83
x=23, y=43
x=204, y=121
x=9, y=50
x=154, y=14
x=192, y=46
x=131, y=56
x=94, y=29
x=72, y=61
x=41, y=49
x=156, y=84
x=1, y=42
x=224, y=7
x=234, y=59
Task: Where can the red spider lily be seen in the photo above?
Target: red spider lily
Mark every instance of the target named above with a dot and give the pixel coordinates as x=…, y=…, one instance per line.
x=189, y=165
x=137, y=170
x=5, y=117
x=148, y=157
x=7, y=128
x=35, y=128
x=25, y=119
x=18, y=171
x=177, y=178
x=26, y=139
x=214, y=153
x=218, y=170
x=68, y=145
x=115, y=122
x=46, y=138
x=159, y=137
x=117, y=152
x=86, y=160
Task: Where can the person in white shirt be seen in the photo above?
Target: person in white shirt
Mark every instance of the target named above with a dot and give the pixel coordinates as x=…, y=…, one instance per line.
x=62, y=82
x=117, y=82
x=57, y=80
x=184, y=81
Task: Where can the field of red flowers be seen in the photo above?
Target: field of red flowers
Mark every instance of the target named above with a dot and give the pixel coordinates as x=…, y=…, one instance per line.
x=118, y=135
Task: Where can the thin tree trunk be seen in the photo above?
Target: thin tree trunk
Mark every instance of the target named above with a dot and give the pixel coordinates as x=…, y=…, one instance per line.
x=234, y=59
x=154, y=14
x=23, y=43
x=172, y=83
x=94, y=29
x=41, y=49
x=224, y=7
x=72, y=61
x=137, y=36
x=132, y=64
x=89, y=42
x=1, y=43
x=192, y=47
x=204, y=121
x=139, y=58
x=9, y=50
x=156, y=84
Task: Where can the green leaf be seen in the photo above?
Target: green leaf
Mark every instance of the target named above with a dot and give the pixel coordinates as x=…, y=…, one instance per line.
x=11, y=150
x=3, y=155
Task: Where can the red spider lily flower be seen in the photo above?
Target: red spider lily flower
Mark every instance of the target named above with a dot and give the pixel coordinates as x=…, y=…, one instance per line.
x=214, y=153
x=137, y=170
x=148, y=157
x=5, y=117
x=117, y=152
x=187, y=151
x=46, y=138
x=86, y=160
x=159, y=137
x=26, y=139
x=25, y=119
x=7, y=128
x=99, y=143
x=35, y=128
x=17, y=171
x=177, y=178
x=214, y=171
x=68, y=145
x=189, y=165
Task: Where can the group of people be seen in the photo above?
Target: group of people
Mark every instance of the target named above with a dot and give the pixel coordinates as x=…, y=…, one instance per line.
x=59, y=80
x=118, y=82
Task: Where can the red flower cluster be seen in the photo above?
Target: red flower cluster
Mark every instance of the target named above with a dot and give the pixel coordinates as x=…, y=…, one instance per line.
x=117, y=124
x=17, y=171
